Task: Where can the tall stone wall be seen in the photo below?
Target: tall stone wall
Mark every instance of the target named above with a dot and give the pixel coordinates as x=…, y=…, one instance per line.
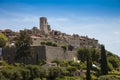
x=54, y=53
x=72, y=55
x=8, y=54
x=39, y=54
x=47, y=53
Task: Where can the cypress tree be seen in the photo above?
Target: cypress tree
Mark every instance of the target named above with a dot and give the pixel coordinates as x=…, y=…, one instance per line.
x=104, y=67
x=88, y=76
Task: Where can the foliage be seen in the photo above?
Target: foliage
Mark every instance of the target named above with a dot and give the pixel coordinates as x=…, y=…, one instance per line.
x=68, y=78
x=95, y=54
x=54, y=72
x=64, y=63
x=3, y=40
x=26, y=72
x=104, y=67
x=36, y=79
x=110, y=66
x=56, y=61
x=54, y=44
x=64, y=48
x=114, y=73
x=14, y=73
x=107, y=77
x=114, y=61
x=82, y=53
x=24, y=50
x=88, y=76
x=36, y=71
x=71, y=70
x=2, y=77
x=75, y=64
x=82, y=65
x=42, y=62
x=49, y=43
x=93, y=77
x=42, y=43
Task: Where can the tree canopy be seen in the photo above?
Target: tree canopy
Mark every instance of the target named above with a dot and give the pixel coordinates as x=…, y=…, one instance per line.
x=23, y=45
x=3, y=40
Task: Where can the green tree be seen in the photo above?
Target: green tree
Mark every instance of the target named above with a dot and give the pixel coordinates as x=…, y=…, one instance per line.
x=107, y=77
x=23, y=45
x=54, y=72
x=88, y=76
x=42, y=43
x=82, y=54
x=95, y=55
x=64, y=48
x=3, y=40
x=104, y=67
x=110, y=67
x=114, y=61
x=36, y=71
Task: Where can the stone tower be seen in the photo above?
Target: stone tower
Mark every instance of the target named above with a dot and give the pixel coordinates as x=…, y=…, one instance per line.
x=44, y=27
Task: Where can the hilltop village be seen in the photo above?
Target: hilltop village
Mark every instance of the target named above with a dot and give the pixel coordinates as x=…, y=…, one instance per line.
x=45, y=34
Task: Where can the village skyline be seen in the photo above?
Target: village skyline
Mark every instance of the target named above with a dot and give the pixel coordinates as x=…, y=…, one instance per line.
x=97, y=19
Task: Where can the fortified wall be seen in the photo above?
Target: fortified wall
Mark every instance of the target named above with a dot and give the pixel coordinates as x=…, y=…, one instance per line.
x=47, y=53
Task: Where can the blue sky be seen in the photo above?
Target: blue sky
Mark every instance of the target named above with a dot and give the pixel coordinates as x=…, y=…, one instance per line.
x=98, y=19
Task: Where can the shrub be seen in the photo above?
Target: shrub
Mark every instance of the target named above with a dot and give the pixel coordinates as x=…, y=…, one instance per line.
x=54, y=72
x=36, y=71
x=68, y=78
x=71, y=69
x=49, y=43
x=56, y=61
x=93, y=77
x=110, y=66
x=64, y=63
x=54, y=44
x=36, y=79
x=2, y=77
x=42, y=43
x=107, y=77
